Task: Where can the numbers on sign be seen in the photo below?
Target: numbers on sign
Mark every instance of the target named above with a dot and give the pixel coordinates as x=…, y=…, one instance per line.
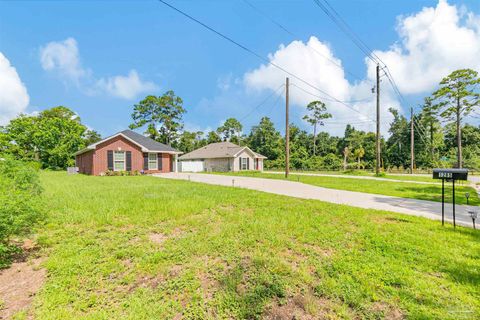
x=447, y=175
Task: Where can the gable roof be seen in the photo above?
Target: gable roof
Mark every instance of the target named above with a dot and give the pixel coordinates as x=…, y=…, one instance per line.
x=218, y=150
x=147, y=144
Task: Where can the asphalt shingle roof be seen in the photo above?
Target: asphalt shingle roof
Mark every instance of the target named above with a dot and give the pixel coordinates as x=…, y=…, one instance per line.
x=146, y=142
x=214, y=150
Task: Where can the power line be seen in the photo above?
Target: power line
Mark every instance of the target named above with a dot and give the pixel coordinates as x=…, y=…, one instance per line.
x=261, y=103
x=422, y=133
x=268, y=113
x=269, y=18
x=320, y=97
x=340, y=22
x=344, y=123
x=255, y=54
x=343, y=25
x=295, y=36
x=421, y=137
x=420, y=125
x=358, y=38
x=325, y=98
x=394, y=84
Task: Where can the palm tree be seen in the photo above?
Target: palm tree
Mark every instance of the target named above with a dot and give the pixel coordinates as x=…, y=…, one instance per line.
x=359, y=153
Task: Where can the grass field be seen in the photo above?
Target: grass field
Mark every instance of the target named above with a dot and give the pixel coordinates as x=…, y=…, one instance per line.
x=392, y=176
x=431, y=192
x=150, y=248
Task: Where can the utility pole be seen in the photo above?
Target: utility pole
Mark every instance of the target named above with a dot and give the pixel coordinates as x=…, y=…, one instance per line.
x=459, y=137
x=377, y=166
x=412, y=142
x=287, y=132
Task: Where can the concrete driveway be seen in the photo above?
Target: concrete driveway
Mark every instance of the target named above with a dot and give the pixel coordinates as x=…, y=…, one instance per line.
x=344, y=176
x=421, y=208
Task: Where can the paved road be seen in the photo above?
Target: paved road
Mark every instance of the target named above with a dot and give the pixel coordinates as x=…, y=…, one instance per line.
x=476, y=181
x=427, y=209
x=352, y=177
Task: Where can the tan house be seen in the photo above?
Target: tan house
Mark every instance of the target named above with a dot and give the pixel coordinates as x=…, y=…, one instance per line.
x=221, y=156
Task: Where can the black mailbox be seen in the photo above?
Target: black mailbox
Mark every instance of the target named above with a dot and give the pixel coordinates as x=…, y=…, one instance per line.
x=450, y=174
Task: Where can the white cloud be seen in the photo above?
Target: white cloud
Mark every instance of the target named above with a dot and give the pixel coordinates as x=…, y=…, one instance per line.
x=14, y=98
x=433, y=43
x=310, y=61
x=126, y=87
x=63, y=57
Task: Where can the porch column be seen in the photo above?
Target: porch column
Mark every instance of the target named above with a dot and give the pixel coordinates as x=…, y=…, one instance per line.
x=175, y=163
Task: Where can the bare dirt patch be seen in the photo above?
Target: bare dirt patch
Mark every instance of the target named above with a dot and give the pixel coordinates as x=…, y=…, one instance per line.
x=208, y=285
x=304, y=306
x=175, y=271
x=18, y=286
x=387, y=311
x=157, y=238
x=160, y=238
x=212, y=268
x=147, y=282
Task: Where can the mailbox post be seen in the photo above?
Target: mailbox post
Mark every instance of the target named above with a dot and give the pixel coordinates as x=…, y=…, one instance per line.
x=449, y=175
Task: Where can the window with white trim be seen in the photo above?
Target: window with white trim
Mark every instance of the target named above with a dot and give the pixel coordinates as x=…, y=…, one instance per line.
x=152, y=161
x=119, y=163
x=244, y=163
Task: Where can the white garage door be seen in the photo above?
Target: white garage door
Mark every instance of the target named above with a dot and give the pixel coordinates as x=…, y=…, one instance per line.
x=191, y=166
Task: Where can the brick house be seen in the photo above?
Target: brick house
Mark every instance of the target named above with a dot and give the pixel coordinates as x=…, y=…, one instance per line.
x=127, y=151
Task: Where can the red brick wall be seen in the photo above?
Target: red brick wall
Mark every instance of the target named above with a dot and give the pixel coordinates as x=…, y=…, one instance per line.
x=166, y=162
x=84, y=162
x=98, y=158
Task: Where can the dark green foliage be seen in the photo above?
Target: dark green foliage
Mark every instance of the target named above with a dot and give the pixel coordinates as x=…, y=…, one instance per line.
x=20, y=206
x=213, y=137
x=456, y=98
x=265, y=139
x=92, y=136
x=51, y=137
x=161, y=115
x=230, y=130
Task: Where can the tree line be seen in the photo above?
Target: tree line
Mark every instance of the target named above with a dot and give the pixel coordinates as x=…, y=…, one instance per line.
x=442, y=138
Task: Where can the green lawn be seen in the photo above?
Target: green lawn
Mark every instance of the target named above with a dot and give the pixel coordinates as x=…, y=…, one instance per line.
x=431, y=192
x=151, y=248
x=393, y=176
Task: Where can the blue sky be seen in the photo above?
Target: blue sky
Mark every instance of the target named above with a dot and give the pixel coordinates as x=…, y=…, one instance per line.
x=100, y=58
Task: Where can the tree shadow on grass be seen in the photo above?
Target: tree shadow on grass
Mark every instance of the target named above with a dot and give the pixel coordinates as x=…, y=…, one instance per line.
x=434, y=193
x=462, y=271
